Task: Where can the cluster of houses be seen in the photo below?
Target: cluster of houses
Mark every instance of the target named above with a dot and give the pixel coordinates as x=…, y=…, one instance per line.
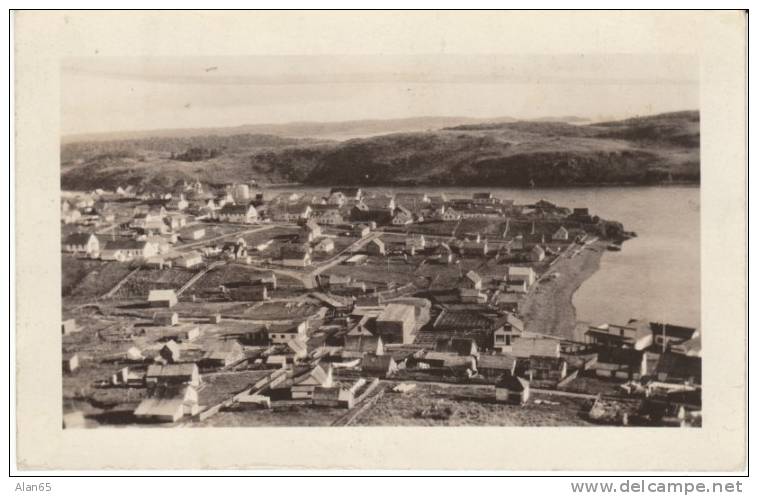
x=371, y=336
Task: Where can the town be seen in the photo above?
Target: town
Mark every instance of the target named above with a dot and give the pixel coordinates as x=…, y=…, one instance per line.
x=242, y=305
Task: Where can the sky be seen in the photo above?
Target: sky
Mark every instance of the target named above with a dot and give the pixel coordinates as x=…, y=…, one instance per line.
x=105, y=94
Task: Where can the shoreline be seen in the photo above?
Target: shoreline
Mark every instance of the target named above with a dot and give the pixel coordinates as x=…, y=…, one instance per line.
x=549, y=308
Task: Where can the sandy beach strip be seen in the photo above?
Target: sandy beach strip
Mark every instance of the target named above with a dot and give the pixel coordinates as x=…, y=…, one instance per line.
x=548, y=308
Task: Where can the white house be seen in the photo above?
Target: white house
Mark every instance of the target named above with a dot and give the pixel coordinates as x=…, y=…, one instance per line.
x=86, y=243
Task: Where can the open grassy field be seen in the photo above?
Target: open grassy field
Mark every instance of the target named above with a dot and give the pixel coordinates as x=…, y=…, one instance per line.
x=83, y=278
x=140, y=284
x=454, y=405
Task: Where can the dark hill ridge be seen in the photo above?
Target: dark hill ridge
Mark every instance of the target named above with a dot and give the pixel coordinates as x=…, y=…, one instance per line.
x=644, y=150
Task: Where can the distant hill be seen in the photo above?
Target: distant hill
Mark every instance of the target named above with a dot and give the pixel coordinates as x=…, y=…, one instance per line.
x=645, y=150
x=321, y=130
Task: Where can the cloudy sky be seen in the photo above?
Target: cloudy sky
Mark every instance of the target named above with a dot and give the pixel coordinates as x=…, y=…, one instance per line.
x=124, y=94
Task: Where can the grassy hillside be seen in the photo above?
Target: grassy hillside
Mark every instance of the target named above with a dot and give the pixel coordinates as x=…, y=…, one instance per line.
x=645, y=150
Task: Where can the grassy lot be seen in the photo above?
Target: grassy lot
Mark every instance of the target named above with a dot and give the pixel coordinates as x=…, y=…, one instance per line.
x=453, y=405
x=280, y=311
x=376, y=271
x=90, y=278
x=145, y=280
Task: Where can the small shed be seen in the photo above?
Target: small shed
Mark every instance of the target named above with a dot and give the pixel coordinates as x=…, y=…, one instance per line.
x=162, y=298
x=379, y=366
x=166, y=318
x=512, y=389
x=224, y=354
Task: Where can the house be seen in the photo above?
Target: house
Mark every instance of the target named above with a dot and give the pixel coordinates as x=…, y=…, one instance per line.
x=376, y=247
x=636, y=335
x=310, y=231
x=547, y=368
x=415, y=243
x=461, y=346
x=379, y=366
x=69, y=327
x=189, y=259
x=443, y=254
x=524, y=276
x=166, y=318
x=621, y=363
x=188, y=332
x=238, y=214
x=536, y=254
x=509, y=302
x=280, y=334
x=85, y=243
x=439, y=359
x=236, y=250
x=168, y=404
x=127, y=249
x=358, y=345
x=483, y=197
x=471, y=280
x=331, y=217
x=472, y=248
x=363, y=213
x=512, y=389
x=396, y=323
x=561, y=234
x=402, y=217
x=525, y=347
x=296, y=255
x=361, y=230
x=665, y=336
x=289, y=212
x=172, y=374
x=354, y=194
x=162, y=298
x=70, y=362
x=337, y=396
x=494, y=366
x=326, y=245
x=304, y=385
x=449, y=214
x=224, y=354
x=505, y=331
x=677, y=367
x=171, y=352
x=178, y=203
x=193, y=233
x=468, y=295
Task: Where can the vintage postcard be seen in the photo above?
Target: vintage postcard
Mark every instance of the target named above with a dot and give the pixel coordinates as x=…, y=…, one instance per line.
x=381, y=252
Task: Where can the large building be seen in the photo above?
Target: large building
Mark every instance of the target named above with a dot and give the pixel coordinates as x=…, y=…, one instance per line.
x=396, y=323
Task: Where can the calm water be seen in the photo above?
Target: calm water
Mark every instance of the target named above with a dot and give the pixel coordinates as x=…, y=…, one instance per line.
x=656, y=275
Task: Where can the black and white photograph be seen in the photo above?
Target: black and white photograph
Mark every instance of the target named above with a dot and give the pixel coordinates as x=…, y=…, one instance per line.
x=339, y=241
